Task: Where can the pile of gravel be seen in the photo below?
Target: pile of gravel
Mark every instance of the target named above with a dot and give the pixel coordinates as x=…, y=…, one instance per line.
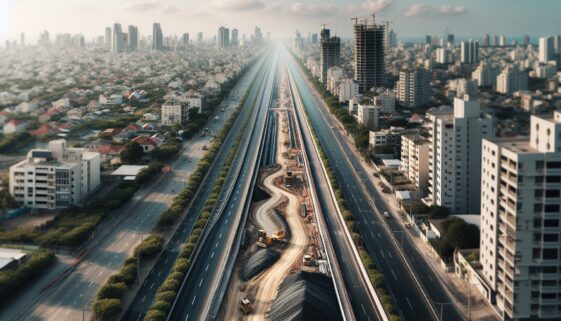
x=258, y=262
x=306, y=296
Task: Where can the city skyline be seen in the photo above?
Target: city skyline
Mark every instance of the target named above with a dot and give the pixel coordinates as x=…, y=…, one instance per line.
x=409, y=18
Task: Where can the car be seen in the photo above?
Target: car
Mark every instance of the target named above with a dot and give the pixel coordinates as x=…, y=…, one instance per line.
x=387, y=215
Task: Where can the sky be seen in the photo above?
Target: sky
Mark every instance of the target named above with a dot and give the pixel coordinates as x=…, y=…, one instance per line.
x=409, y=18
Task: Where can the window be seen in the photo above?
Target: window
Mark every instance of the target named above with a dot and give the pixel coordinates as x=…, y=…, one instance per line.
x=539, y=179
x=552, y=193
x=539, y=165
x=550, y=254
x=551, y=237
x=538, y=193
x=554, y=165
x=553, y=179
x=551, y=223
x=551, y=208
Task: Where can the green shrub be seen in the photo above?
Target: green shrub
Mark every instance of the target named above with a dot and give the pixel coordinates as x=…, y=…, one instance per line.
x=106, y=309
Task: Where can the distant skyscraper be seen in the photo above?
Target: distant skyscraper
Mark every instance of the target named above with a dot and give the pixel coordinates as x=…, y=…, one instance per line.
x=185, y=40
x=330, y=53
x=44, y=40
x=314, y=39
x=495, y=41
x=526, y=40
x=258, y=36
x=546, y=49
x=133, y=38
x=469, y=52
x=223, y=37
x=428, y=39
x=368, y=55
x=557, y=44
x=450, y=38
x=118, y=44
x=511, y=80
x=199, y=37
x=234, y=41
x=393, y=39
x=157, y=37
x=502, y=41
x=486, y=41
x=108, y=42
x=22, y=39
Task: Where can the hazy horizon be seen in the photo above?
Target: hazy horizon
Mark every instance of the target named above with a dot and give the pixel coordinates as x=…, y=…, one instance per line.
x=409, y=18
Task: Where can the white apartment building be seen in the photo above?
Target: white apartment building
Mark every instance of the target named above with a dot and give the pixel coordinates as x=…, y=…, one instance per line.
x=348, y=89
x=386, y=101
x=367, y=114
x=485, y=75
x=174, y=114
x=55, y=178
x=415, y=159
x=389, y=136
x=443, y=56
x=463, y=87
x=511, y=80
x=334, y=77
x=520, y=217
x=455, y=155
x=413, y=88
x=546, y=49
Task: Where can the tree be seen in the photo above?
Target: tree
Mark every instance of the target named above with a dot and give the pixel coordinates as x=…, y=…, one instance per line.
x=131, y=153
x=106, y=309
x=438, y=212
x=462, y=235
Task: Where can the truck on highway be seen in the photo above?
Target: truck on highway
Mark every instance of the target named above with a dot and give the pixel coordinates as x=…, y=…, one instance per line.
x=216, y=118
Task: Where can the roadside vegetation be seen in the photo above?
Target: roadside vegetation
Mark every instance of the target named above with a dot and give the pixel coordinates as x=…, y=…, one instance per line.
x=14, y=280
x=16, y=142
x=108, y=307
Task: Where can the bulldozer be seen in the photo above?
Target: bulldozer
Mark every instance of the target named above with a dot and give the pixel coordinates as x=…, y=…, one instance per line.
x=245, y=306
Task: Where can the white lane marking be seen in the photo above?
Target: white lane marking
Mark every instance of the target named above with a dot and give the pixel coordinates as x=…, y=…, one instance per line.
x=216, y=245
x=212, y=255
x=193, y=303
x=379, y=236
x=382, y=252
x=395, y=277
x=99, y=274
x=201, y=283
x=409, y=302
x=220, y=236
x=206, y=269
x=151, y=285
x=187, y=318
x=390, y=255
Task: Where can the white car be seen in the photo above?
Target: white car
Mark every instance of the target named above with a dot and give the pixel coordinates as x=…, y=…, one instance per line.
x=387, y=215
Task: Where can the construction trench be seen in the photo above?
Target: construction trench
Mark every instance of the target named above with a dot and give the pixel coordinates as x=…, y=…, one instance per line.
x=280, y=273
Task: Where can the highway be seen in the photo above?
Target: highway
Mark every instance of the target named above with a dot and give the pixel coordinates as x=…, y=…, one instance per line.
x=117, y=236
x=203, y=288
x=145, y=296
x=366, y=205
x=362, y=303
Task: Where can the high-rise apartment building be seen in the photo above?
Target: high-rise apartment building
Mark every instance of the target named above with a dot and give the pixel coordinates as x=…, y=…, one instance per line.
x=133, y=38
x=546, y=49
x=455, y=155
x=157, y=37
x=443, y=56
x=368, y=55
x=223, y=37
x=258, y=35
x=117, y=44
x=526, y=40
x=511, y=80
x=108, y=41
x=234, y=42
x=469, y=51
x=520, y=221
x=199, y=37
x=55, y=178
x=485, y=74
x=486, y=40
x=185, y=40
x=413, y=87
x=502, y=41
x=415, y=160
x=367, y=114
x=330, y=53
x=557, y=44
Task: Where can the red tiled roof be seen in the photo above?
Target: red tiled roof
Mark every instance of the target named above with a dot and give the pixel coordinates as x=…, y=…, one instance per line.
x=109, y=149
x=143, y=140
x=44, y=130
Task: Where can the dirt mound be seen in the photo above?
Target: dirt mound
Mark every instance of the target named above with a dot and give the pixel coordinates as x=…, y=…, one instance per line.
x=258, y=262
x=306, y=296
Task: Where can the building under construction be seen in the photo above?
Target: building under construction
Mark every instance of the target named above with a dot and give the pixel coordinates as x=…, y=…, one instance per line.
x=330, y=53
x=369, y=54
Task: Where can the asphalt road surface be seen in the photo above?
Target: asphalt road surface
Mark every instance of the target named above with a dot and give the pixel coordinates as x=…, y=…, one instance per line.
x=408, y=297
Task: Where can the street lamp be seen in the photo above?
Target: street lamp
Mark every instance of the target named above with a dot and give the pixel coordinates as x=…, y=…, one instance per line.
x=442, y=308
x=138, y=256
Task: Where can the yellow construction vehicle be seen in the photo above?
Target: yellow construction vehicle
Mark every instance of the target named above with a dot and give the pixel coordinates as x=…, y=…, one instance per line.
x=245, y=306
x=262, y=239
x=279, y=236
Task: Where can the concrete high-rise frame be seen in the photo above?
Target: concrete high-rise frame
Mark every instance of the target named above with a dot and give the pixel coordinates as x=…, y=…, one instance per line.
x=330, y=53
x=369, y=54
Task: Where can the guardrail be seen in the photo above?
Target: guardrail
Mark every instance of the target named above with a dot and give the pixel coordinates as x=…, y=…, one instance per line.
x=212, y=222
x=233, y=251
x=336, y=275
x=356, y=255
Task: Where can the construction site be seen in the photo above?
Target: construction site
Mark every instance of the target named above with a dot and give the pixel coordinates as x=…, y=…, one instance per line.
x=281, y=272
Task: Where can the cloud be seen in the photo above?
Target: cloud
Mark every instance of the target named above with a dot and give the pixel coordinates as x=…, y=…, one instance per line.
x=424, y=10
x=142, y=6
x=238, y=5
x=376, y=6
x=453, y=11
x=312, y=10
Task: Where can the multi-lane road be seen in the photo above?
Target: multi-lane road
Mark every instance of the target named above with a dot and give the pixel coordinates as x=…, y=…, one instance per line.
x=412, y=301
x=205, y=283
x=145, y=296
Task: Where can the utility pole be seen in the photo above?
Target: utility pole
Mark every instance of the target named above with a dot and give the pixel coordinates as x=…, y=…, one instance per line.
x=138, y=259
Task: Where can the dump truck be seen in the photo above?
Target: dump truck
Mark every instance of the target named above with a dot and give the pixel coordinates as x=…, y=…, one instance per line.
x=245, y=306
x=279, y=236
